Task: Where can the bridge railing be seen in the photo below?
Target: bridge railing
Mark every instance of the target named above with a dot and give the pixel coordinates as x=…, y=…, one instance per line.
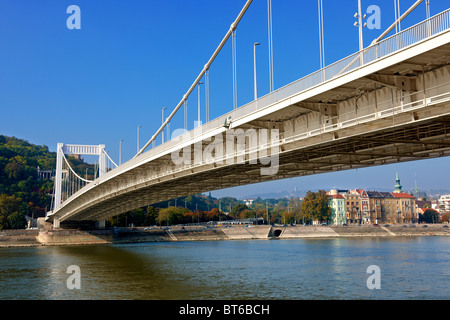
x=406, y=38
x=387, y=108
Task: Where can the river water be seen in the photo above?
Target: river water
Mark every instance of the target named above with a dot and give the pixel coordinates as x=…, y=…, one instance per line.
x=409, y=268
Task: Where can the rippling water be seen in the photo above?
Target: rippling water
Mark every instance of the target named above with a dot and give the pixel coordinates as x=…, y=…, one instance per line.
x=411, y=268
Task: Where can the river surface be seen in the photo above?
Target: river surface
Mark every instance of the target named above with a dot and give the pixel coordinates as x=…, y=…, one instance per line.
x=409, y=268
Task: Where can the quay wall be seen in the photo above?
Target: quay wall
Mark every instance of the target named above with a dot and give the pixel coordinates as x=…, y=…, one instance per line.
x=18, y=238
x=45, y=237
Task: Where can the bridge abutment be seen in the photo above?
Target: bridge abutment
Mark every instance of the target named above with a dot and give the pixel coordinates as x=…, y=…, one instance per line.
x=56, y=223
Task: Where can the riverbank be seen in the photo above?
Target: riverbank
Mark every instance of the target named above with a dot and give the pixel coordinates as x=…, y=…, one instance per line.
x=24, y=238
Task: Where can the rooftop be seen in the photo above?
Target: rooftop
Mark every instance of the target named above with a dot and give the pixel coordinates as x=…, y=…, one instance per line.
x=403, y=195
x=336, y=196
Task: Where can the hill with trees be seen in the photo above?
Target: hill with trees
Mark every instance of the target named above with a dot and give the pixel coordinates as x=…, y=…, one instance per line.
x=22, y=193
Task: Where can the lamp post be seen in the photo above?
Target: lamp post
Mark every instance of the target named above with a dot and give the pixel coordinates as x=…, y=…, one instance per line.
x=254, y=68
x=120, y=151
x=162, y=122
x=360, y=25
x=199, y=119
x=138, y=138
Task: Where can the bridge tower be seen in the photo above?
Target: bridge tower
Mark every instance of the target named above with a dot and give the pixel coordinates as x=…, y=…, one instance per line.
x=62, y=149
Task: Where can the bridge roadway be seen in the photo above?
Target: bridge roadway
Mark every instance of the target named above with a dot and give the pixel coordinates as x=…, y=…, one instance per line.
x=394, y=108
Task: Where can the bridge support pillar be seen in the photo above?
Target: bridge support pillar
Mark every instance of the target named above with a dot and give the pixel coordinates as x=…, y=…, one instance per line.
x=102, y=224
x=56, y=223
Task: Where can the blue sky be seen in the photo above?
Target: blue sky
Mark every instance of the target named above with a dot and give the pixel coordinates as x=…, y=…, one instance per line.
x=131, y=58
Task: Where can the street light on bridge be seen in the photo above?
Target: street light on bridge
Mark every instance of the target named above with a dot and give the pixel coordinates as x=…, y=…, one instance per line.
x=358, y=15
x=120, y=151
x=254, y=68
x=138, y=138
x=162, y=123
x=199, y=119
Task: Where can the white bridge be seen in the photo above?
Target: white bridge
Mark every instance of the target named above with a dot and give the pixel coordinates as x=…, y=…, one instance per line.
x=388, y=103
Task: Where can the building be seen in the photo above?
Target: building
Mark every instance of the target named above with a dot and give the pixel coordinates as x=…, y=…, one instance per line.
x=77, y=156
x=337, y=204
x=397, y=186
x=361, y=206
x=405, y=207
x=353, y=207
x=435, y=204
x=390, y=205
x=377, y=207
x=248, y=202
x=423, y=203
x=44, y=174
x=444, y=203
x=365, y=204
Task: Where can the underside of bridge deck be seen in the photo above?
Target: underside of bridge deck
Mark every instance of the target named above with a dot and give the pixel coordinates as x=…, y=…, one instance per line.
x=425, y=140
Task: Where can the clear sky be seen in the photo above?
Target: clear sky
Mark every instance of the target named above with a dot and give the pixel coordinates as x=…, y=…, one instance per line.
x=130, y=58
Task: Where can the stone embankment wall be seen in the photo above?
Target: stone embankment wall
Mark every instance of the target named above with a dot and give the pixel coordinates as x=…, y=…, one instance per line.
x=392, y=230
x=246, y=233
x=296, y=232
x=69, y=237
x=18, y=238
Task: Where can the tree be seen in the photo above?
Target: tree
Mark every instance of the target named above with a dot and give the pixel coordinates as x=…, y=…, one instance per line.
x=429, y=216
x=446, y=217
x=121, y=220
x=236, y=211
x=11, y=206
x=315, y=207
x=17, y=220
x=171, y=215
x=288, y=217
x=13, y=171
x=138, y=217
x=151, y=216
x=213, y=215
x=246, y=214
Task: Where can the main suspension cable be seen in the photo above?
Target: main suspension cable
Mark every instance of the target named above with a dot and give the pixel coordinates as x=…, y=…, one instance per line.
x=199, y=77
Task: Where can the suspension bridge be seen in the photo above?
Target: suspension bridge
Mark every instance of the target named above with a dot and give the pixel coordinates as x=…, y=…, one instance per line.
x=387, y=103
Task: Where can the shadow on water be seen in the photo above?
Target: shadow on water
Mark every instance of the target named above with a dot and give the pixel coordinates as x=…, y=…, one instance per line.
x=124, y=272
x=106, y=272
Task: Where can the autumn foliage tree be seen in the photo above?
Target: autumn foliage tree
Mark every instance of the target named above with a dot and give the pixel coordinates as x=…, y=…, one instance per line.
x=446, y=217
x=315, y=207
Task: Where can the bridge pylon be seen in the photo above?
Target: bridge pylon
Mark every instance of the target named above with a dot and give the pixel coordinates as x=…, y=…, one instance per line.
x=62, y=149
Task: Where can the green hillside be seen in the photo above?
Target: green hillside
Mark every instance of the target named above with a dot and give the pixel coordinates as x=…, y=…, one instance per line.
x=21, y=193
